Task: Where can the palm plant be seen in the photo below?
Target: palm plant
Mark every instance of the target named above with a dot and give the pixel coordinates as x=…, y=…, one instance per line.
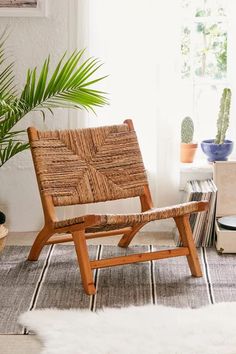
x=67, y=87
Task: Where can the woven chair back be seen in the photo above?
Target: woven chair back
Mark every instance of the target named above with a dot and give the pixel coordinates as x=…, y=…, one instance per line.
x=89, y=165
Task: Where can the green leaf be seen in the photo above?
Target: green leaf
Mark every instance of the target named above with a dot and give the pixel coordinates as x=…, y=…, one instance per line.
x=69, y=86
x=11, y=150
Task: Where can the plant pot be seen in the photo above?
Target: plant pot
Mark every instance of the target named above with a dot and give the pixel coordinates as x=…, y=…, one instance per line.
x=217, y=152
x=3, y=236
x=187, y=152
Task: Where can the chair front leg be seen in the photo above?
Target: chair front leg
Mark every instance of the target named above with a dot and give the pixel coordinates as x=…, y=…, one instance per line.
x=186, y=236
x=39, y=242
x=84, y=261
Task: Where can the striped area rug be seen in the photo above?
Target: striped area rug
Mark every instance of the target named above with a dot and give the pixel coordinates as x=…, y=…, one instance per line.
x=54, y=282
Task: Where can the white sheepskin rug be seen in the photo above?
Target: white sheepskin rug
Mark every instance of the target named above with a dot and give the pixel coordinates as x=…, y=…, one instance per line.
x=136, y=330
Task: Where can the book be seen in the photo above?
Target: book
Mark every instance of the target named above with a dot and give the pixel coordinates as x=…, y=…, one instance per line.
x=203, y=223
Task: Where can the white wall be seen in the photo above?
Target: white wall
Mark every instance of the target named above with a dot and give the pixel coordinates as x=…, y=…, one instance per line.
x=138, y=42
x=31, y=40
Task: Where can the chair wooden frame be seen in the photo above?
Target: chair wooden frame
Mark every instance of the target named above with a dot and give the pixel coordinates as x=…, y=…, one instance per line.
x=77, y=233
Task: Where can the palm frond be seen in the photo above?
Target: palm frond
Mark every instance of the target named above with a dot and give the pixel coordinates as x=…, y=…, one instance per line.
x=7, y=86
x=11, y=149
x=15, y=135
x=65, y=86
x=69, y=86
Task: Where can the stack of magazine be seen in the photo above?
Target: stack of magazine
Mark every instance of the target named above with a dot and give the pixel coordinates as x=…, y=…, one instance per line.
x=202, y=224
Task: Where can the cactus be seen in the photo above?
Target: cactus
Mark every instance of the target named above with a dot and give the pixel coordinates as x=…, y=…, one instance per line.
x=223, y=118
x=187, y=130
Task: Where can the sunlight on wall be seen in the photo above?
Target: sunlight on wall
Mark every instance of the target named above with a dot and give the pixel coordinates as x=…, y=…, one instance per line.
x=138, y=43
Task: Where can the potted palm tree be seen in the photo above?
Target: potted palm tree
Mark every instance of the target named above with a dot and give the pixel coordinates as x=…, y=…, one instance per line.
x=219, y=149
x=69, y=86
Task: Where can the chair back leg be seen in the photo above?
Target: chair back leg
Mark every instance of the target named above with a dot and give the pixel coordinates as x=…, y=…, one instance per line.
x=84, y=262
x=127, y=238
x=186, y=236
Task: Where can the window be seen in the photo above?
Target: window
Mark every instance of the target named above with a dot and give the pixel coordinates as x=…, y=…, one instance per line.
x=204, y=40
x=204, y=63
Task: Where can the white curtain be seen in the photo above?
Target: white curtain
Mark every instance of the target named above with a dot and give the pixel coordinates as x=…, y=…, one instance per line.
x=138, y=42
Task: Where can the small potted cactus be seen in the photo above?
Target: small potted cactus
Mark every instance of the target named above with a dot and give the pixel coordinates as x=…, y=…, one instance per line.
x=188, y=147
x=3, y=231
x=219, y=149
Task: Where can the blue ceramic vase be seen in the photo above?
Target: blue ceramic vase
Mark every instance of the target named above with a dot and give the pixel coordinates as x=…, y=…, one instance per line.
x=217, y=152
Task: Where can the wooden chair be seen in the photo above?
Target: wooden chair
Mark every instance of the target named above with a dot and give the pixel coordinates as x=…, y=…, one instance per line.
x=94, y=165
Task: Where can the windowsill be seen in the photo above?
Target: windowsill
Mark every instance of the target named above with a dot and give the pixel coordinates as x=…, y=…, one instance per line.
x=198, y=165
x=199, y=169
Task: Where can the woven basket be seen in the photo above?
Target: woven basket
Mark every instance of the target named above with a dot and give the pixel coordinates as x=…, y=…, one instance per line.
x=3, y=234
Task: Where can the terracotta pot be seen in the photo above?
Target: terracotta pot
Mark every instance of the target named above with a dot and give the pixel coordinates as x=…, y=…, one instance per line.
x=3, y=236
x=187, y=152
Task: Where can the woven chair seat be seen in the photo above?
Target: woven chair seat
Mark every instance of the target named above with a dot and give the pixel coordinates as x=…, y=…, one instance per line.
x=115, y=221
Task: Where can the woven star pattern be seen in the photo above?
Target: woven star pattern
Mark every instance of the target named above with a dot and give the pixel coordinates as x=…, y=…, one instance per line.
x=89, y=165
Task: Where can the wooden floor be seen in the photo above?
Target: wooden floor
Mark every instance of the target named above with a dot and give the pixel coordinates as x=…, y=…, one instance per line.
x=19, y=344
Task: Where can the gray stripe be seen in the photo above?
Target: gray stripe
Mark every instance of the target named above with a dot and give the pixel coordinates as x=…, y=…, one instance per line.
x=41, y=279
x=175, y=286
x=152, y=281
x=62, y=287
x=204, y=274
x=223, y=275
x=96, y=280
x=123, y=285
x=207, y=276
x=39, y=283
x=18, y=279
